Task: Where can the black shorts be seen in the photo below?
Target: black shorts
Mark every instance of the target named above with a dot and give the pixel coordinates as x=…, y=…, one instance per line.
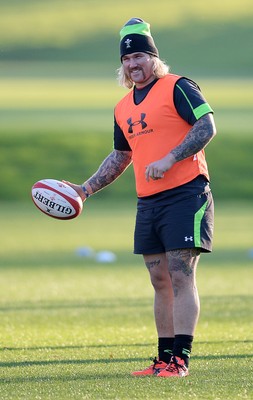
x=181, y=222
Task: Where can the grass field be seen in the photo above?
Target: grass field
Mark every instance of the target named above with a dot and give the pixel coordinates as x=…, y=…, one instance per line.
x=73, y=328
x=192, y=37
x=61, y=105
x=58, y=86
x=61, y=127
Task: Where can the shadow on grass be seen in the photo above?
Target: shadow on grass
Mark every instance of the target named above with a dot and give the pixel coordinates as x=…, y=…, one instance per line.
x=14, y=364
x=100, y=346
x=94, y=304
x=66, y=378
x=93, y=346
x=85, y=376
x=237, y=302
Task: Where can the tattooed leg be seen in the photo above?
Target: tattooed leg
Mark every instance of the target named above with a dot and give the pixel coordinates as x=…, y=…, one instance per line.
x=163, y=296
x=182, y=266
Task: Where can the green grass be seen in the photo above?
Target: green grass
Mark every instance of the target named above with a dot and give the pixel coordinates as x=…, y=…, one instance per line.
x=62, y=127
x=70, y=92
x=65, y=25
x=28, y=157
x=72, y=328
x=192, y=37
x=77, y=103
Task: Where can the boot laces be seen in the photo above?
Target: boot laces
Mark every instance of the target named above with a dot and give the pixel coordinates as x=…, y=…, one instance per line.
x=174, y=366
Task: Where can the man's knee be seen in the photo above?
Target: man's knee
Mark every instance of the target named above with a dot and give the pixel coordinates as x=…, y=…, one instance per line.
x=157, y=266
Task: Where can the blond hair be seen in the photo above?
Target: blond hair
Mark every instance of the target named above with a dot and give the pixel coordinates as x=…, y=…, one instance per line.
x=160, y=69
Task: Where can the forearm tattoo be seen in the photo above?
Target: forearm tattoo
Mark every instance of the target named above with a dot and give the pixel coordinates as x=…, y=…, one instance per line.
x=110, y=169
x=184, y=260
x=198, y=137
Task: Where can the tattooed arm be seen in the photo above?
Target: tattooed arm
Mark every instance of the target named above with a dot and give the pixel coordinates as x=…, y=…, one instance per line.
x=110, y=169
x=197, y=138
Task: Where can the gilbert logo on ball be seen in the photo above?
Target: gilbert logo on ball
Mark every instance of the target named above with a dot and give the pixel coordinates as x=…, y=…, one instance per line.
x=56, y=199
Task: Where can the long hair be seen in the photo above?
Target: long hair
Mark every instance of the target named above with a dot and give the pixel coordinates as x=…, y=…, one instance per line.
x=160, y=70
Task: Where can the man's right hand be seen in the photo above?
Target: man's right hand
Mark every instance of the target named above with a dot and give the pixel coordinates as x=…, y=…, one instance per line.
x=77, y=188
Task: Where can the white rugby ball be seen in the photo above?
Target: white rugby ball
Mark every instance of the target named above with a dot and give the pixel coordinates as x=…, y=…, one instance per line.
x=56, y=199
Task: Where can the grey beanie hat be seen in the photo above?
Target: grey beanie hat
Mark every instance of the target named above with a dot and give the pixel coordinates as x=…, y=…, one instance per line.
x=135, y=36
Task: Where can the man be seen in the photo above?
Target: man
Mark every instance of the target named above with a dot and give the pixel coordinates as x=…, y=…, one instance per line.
x=162, y=127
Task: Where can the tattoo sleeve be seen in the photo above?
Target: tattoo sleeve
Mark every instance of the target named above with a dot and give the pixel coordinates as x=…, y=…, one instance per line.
x=197, y=138
x=110, y=169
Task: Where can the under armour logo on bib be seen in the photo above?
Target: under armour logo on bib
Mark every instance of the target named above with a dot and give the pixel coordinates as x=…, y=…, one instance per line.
x=140, y=121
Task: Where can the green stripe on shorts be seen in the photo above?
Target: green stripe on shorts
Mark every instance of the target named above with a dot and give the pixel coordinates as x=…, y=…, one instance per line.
x=197, y=224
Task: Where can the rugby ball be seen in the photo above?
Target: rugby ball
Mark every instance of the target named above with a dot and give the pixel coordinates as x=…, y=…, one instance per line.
x=56, y=199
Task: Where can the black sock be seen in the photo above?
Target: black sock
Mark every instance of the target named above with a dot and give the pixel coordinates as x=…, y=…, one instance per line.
x=182, y=347
x=165, y=347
